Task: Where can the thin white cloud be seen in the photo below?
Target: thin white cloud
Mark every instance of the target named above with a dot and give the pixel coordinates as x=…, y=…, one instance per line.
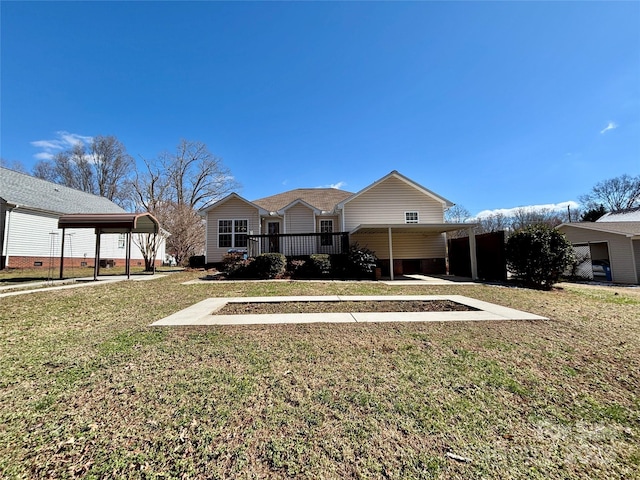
x=44, y=156
x=63, y=141
x=337, y=185
x=510, y=212
x=610, y=126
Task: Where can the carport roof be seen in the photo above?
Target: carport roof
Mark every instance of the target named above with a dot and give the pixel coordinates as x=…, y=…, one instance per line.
x=422, y=228
x=112, y=222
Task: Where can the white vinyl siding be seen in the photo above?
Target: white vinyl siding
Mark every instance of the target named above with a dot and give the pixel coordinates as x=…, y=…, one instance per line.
x=30, y=235
x=299, y=219
x=620, y=250
x=232, y=209
x=405, y=245
x=387, y=202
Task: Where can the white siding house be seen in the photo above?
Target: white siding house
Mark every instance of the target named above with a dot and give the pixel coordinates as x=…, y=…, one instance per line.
x=29, y=233
x=400, y=220
x=615, y=242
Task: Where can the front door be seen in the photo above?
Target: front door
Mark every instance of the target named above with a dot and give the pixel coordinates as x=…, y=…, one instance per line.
x=274, y=242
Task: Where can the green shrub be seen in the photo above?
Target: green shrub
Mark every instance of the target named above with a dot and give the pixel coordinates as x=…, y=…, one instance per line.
x=319, y=265
x=235, y=265
x=537, y=255
x=296, y=268
x=361, y=261
x=269, y=265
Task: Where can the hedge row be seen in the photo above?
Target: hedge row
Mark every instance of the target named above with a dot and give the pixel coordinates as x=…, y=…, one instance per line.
x=358, y=263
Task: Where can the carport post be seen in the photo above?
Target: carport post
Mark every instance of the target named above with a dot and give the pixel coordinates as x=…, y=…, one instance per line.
x=97, y=260
x=62, y=253
x=128, y=268
x=390, y=254
x=472, y=254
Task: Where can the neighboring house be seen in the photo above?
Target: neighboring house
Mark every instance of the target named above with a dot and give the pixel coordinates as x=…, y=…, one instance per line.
x=398, y=219
x=29, y=233
x=629, y=215
x=610, y=246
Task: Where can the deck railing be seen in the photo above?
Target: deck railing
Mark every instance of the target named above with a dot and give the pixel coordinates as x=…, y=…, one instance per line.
x=298, y=244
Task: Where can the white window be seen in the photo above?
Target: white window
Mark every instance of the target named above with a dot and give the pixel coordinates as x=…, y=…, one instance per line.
x=121, y=240
x=326, y=226
x=232, y=233
x=410, y=217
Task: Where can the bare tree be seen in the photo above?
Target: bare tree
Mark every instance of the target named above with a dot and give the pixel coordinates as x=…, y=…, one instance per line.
x=173, y=188
x=187, y=232
x=15, y=165
x=112, y=165
x=151, y=194
x=149, y=244
x=70, y=168
x=102, y=169
x=457, y=214
x=196, y=175
x=523, y=217
x=619, y=193
x=495, y=222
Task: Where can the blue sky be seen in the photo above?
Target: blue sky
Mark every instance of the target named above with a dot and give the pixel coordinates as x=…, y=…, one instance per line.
x=490, y=104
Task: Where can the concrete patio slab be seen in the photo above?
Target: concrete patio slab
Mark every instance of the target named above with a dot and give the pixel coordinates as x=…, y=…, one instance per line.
x=203, y=313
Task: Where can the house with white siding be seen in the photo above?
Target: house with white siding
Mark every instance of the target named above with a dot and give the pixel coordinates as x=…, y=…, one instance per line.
x=397, y=218
x=29, y=235
x=613, y=240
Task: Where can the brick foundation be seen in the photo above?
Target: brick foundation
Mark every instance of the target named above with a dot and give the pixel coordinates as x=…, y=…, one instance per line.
x=46, y=262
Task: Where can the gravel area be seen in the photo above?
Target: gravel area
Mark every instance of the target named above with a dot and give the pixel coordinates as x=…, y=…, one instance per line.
x=343, y=307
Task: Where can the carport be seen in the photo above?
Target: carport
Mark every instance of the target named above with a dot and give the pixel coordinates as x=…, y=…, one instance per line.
x=425, y=229
x=127, y=223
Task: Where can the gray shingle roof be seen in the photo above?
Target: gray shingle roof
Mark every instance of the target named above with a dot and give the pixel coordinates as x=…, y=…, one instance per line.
x=324, y=199
x=27, y=191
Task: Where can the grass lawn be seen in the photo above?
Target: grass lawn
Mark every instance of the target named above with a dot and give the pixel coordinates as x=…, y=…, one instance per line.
x=88, y=389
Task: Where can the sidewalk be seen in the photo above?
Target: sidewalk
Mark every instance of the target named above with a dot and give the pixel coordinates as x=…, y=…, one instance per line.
x=204, y=312
x=49, y=285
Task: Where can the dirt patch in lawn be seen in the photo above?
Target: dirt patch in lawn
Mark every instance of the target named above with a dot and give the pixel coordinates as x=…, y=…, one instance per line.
x=245, y=308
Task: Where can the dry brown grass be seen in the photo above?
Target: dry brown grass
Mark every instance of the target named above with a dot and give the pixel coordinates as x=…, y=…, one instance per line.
x=90, y=390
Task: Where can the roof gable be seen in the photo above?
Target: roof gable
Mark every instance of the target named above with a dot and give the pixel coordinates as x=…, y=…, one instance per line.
x=408, y=181
x=322, y=199
x=34, y=193
x=299, y=201
x=232, y=195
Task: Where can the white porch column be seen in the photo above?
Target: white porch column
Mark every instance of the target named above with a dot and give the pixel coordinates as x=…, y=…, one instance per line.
x=390, y=254
x=472, y=252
